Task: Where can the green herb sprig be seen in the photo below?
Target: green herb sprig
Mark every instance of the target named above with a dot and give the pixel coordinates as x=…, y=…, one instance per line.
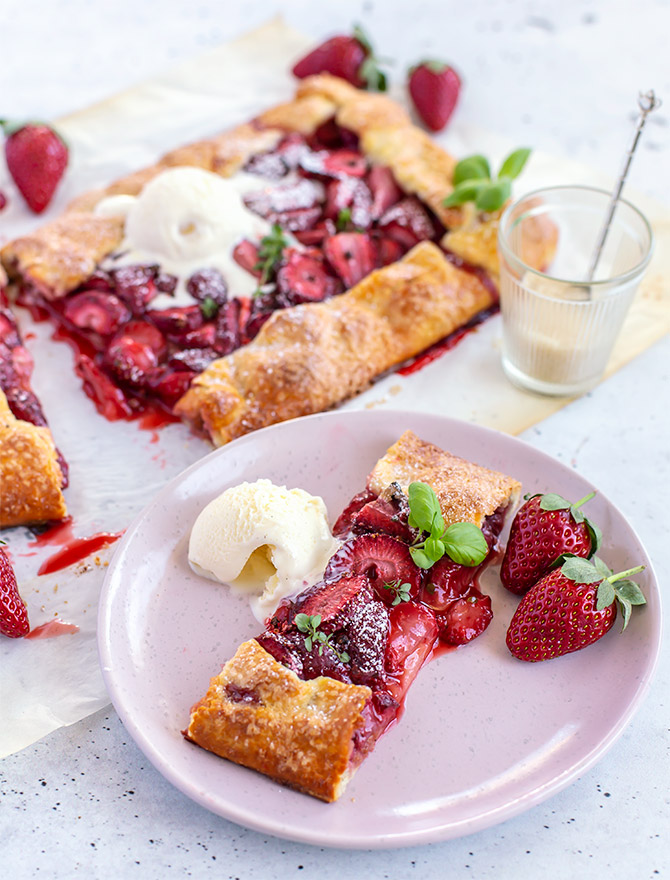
x=462, y=541
x=269, y=255
x=473, y=181
x=309, y=624
x=401, y=592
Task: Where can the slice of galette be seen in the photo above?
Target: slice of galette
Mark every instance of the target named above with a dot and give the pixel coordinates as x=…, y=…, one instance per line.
x=268, y=272
x=33, y=473
x=306, y=701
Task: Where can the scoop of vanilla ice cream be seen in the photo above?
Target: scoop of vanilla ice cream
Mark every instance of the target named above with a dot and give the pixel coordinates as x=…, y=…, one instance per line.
x=185, y=219
x=264, y=540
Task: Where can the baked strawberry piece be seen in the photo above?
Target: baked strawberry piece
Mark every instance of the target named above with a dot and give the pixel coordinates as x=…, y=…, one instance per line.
x=306, y=700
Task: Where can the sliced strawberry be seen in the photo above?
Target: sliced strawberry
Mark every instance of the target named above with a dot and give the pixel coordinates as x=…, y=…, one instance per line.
x=382, y=559
x=334, y=164
x=109, y=400
x=292, y=148
x=327, y=136
x=130, y=360
x=193, y=359
x=297, y=220
x=284, y=649
x=465, y=619
x=9, y=332
x=389, y=251
x=204, y=336
x=146, y=334
x=367, y=632
x=166, y=283
x=25, y=405
x=351, y=196
x=317, y=234
x=407, y=222
x=95, y=310
x=445, y=582
x=228, y=333
x=100, y=280
x=177, y=320
x=169, y=385
x=304, y=278
x=256, y=321
x=20, y=363
x=352, y=255
x=343, y=524
x=246, y=255
x=330, y=598
x=270, y=165
x=135, y=285
x=387, y=514
x=208, y=284
x=279, y=199
x=412, y=636
x=385, y=191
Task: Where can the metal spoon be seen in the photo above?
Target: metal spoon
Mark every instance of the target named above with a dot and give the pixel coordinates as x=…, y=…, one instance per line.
x=646, y=102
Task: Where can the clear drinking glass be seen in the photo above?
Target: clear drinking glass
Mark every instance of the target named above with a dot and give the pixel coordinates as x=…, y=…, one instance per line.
x=558, y=328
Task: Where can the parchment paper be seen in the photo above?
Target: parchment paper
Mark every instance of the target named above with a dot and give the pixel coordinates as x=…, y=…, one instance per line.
x=116, y=468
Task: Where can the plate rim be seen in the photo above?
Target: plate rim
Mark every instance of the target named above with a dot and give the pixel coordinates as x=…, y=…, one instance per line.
x=439, y=831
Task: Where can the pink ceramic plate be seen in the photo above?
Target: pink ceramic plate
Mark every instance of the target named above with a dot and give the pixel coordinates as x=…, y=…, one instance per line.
x=483, y=736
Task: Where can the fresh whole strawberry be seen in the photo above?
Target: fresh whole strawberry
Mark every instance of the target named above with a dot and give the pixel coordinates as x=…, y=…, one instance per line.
x=545, y=527
x=434, y=88
x=36, y=158
x=570, y=608
x=13, y=612
x=349, y=57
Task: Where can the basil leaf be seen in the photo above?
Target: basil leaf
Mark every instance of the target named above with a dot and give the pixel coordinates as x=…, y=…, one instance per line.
x=471, y=168
x=434, y=548
x=494, y=195
x=514, y=163
x=580, y=570
x=420, y=557
x=551, y=501
x=465, y=192
x=423, y=506
x=465, y=543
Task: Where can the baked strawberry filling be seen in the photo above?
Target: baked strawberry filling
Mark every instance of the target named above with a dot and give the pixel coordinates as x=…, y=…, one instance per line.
x=140, y=339
x=376, y=617
x=16, y=366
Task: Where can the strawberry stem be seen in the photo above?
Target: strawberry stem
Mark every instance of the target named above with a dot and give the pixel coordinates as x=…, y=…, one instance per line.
x=584, y=499
x=622, y=574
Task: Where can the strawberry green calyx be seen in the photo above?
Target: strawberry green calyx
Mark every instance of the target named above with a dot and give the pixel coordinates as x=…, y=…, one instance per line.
x=552, y=501
x=617, y=587
x=430, y=64
x=369, y=71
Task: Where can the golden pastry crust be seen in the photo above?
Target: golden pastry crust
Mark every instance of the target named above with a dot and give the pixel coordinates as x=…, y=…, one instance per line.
x=476, y=241
x=30, y=476
x=308, y=358
x=467, y=492
x=60, y=256
x=260, y=714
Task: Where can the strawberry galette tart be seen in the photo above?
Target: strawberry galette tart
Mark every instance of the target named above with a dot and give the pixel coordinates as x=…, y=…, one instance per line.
x=269, y=272
x=306, y=700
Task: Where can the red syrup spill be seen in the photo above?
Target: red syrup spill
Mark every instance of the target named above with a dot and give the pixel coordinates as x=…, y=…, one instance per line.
x=58, y=533
x=154, y=418
x=435, y=351
x=52, y=628
x=76, y=550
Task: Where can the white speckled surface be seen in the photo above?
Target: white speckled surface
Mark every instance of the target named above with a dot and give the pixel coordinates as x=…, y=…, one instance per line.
x=84, y=801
